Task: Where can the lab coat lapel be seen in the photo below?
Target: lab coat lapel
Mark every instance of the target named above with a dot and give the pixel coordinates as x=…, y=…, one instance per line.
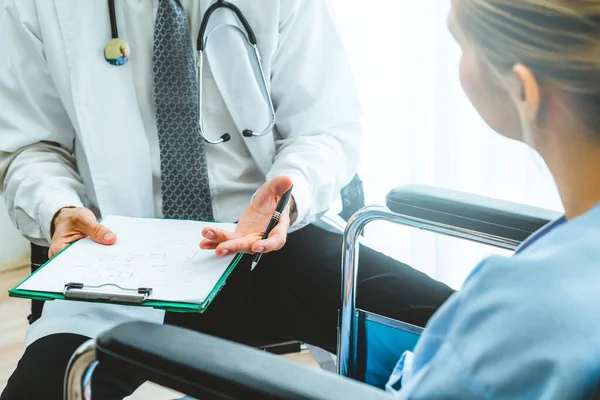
x=107, y=113
x=231, y=63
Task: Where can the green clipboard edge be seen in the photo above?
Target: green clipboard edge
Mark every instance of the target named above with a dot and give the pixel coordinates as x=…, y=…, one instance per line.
x=161, y=305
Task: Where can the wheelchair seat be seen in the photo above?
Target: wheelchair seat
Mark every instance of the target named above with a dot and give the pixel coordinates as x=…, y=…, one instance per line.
x=381, y=343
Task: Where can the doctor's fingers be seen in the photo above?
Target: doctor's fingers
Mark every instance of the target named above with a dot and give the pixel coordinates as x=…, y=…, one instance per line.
x=209, y=244
x=276, y=240
x=219, y=235
x=239, y=245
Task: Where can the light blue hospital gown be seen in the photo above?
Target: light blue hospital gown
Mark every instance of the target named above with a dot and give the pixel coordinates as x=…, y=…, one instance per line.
x=522, y=327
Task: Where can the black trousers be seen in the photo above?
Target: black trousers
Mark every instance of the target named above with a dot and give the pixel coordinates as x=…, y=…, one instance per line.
x=294, y=292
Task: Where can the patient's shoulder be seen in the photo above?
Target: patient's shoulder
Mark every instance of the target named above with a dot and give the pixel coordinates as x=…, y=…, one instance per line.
x=577, y=240
x=558, y=265
x=558, y=277
x=536, y=302
x=531, y=320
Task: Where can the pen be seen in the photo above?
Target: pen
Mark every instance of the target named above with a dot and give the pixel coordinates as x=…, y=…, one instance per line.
x=273, y=223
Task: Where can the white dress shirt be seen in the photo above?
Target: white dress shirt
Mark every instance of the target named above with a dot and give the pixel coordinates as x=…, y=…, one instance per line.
x=233, y=173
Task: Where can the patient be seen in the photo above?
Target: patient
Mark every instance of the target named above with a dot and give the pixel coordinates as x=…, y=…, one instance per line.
x=527, y=326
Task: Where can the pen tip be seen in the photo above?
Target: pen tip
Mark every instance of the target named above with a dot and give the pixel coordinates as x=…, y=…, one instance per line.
x=253, y=265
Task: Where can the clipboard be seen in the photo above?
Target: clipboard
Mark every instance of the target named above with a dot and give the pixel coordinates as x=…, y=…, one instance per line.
x=119, y=295
x=118, y=292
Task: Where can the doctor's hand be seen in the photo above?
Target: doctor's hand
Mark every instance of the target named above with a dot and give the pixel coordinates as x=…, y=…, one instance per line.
x=251, y=227
x=74, y=223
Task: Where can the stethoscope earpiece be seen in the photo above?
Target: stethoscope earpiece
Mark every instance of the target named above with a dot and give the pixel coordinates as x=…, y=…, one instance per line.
x=248, y=133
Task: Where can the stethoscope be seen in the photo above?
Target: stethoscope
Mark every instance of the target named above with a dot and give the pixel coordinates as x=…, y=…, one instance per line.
x=117, y=52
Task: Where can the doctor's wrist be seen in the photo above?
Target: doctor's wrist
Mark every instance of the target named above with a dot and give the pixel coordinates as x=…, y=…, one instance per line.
x=293, y=210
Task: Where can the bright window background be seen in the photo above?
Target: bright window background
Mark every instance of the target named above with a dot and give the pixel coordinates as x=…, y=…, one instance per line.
x=421, y=129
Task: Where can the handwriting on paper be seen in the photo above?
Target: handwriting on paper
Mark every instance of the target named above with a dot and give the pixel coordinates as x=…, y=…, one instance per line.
x=161, y=254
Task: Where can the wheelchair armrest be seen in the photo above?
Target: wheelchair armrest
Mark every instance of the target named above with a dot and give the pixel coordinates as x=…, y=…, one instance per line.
x=211, y=368
x=481, y=214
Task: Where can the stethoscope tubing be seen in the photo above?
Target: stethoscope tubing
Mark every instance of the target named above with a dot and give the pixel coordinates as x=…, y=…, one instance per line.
x=201, y=44
x=114, y=30
x=200, y=61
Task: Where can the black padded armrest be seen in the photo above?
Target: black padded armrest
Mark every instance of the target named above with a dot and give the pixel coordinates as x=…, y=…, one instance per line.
x=481, y=214
x=208, y=368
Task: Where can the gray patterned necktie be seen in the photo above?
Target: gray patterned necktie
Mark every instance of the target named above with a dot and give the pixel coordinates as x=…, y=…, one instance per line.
x=185, y=186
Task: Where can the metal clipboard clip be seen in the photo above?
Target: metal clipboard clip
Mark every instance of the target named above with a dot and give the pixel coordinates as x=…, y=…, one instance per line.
x=81, y=292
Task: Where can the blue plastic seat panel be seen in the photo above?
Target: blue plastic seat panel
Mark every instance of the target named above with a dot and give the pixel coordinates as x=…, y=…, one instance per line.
x=380, y=344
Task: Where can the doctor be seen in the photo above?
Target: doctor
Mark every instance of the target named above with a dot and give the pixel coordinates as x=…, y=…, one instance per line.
x=82, y=135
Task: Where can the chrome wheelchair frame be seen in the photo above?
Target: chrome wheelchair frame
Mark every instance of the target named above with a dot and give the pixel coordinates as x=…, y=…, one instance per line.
x=347, y=332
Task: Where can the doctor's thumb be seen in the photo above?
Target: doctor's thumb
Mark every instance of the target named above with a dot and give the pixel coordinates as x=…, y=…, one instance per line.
x=103, y=235
x=280, y=185
x=100, y=234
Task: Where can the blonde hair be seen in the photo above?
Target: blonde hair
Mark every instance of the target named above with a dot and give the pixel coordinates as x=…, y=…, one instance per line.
x=559, y=40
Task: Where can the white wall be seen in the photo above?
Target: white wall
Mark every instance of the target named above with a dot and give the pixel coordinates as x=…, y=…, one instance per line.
x=13, y=248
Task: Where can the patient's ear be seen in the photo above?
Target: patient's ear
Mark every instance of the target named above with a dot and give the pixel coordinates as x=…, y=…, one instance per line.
x=528, y=96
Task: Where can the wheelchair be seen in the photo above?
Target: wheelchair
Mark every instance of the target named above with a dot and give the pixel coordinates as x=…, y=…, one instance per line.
x=206, y=367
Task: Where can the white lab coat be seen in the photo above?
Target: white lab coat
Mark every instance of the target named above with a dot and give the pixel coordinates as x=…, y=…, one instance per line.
x=56, y=88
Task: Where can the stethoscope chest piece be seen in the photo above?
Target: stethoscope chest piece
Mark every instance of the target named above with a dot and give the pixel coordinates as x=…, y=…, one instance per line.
x=117, y=52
